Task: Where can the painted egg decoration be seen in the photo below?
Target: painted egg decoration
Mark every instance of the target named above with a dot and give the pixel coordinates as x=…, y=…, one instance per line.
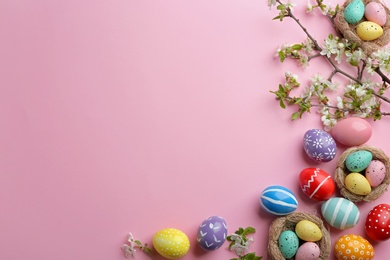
x=171, y=243
x=319, y=145
x=369, y=31
x=212, y=233
x=288, y=243
x=354, y=11
x=358, y=161
x=375, y=12
x=340, y=213
x=308, y=251
x=316, y=183
x=278, y=200
x=308, y=231
x=378, y=223
x=352, y=131
x=357, y=184
x=376, y=173
x=353, y=247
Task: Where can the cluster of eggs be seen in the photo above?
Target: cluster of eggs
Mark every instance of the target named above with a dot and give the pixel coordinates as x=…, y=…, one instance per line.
x=172, y=243
x=371, y=28
x=364, y=172
x=306, y=231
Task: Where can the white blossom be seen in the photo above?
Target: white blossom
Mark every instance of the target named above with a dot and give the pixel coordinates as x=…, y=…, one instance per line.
x=271, y=3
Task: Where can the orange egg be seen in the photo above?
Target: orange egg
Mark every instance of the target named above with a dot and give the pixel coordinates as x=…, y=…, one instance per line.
x=350, y=247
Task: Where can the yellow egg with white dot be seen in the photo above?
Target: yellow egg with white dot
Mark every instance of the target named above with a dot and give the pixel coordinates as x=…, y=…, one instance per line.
x=171, y=243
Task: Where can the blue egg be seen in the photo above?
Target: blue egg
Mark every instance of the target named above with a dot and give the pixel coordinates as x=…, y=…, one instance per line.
x=354, y=11
x=340, y=213
x=358, y=161
x=288, y=244
x=278, y=200
x=319, y=145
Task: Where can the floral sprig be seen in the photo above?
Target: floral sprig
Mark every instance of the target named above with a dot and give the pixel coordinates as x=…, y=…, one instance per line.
x=239, y=243
x=362, y=95
x=130, y=248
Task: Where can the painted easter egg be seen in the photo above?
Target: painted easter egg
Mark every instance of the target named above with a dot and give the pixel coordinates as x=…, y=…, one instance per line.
x=212, y=233
x=354, y=11
x=353, y=247
x=375, y=12
x=358, y=161
x=171, y=243
x=340, y=213
x=308, y=231
x=288, y=243
x=316, y=183
x=376, y=173
x=319, y=145
x=352, y=131
x=308, y=251
x=278, y=200
x=369, y=31
x=378, y=223
x=357, y=184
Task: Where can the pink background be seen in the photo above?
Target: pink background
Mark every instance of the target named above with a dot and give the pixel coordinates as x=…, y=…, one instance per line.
x=128, y=115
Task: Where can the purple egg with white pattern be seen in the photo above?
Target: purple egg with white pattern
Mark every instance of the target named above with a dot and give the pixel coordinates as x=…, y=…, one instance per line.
x=212, y=233
x=319, y=145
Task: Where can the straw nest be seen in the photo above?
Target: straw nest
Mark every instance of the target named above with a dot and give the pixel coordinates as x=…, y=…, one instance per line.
x=349, y=30
x=342, y=171
x=288, y=223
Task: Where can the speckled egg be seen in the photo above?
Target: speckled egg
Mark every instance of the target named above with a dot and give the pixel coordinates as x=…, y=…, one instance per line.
x=369, y=31
x=358, y=161
x=278, y=200
x=319, y=145
x=308, y=231
x=375, y=12
x=352, y=131
x=308, y=251
x=353, y=247
x=354, y=11
x=288, y=243
x=357, y=184
x=212, y=233
x=340, y=213
x=376, y=173
x=171, y=243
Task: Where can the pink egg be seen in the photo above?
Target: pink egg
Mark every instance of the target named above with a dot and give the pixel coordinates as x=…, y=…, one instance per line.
x=375, y=173
x=308, y=251
x=375, y=12
x=352, y=131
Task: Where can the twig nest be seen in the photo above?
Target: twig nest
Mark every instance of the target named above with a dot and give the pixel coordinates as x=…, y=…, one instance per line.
x=348, y=30
x=343, y=170
x=289, y=223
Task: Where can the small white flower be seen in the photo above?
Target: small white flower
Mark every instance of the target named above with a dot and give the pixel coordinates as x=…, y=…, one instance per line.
x=129, y=250
x=340, y=103
x=290, y=5
x=309, y=7
x=271, y=3
x=330, y=47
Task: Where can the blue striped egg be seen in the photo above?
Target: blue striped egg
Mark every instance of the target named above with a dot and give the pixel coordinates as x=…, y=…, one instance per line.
x=340, y=213
x=278, y=200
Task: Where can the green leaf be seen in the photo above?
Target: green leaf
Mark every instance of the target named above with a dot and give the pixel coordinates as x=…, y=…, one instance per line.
x=297, y=47
x=282, y=56
x=354, y=63
x=294, y=116
x=138, y=243
x=249, y=230
x=281, y=103
x=276, y=17
x=281, y=7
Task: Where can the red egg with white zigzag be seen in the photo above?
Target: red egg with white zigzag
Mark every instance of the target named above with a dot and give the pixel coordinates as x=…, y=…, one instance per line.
x=316, y=183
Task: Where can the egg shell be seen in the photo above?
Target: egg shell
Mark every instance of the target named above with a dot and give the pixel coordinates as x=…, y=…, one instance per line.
x=352, y=131
x=319, y=145
x=288, y=243
x=212, y=233
x=354, y=11
x=375, y=173
x=316, y=183
x=171, y=243
x=375, y=12
x=308, y=231
x=308, y=251
x=358, y=161
x=357, y=184
x=353, y=247
x=340, y=213
x=378, y=223
x=369, y=31
x=278, y=200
